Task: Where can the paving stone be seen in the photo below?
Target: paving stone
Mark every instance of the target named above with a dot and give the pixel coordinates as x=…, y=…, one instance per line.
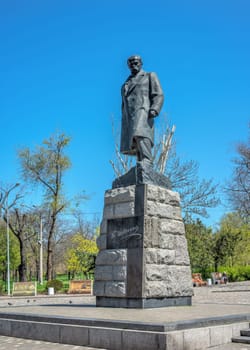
x=7, y=343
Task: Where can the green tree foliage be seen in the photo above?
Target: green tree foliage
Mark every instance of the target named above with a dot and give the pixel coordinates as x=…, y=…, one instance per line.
x=232, y=241
x=82, y=254
x=46, y=166
x=14, y=251
x=200, y=246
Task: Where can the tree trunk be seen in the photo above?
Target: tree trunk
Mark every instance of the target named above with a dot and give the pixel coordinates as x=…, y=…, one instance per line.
x=37, y=269
x=22, y=268
x=50, y=249
x=49, y=261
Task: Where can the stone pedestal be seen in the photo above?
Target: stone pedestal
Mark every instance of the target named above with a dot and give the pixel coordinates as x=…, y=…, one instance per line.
x=143, y=260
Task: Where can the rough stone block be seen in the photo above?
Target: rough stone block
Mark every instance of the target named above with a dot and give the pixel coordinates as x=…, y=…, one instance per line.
x=119, y=210
x=159, y=256
x=169, y=197
x=104, y=273
x=179, y=277
x=155, y=272
x=172, y=226
x=119, y=195
x=119, y=273
x=101, y=242
x=126, y=209
x=151, y=232
x=165, y=256
x=104, y=227
x=165, y=281
x=112, y=257
x=162, y=195
x=153, y=193
x=167, y=241
x=115, y=289
x=155, y=289
x=99, y=288
x=162, y=210
x=181, y=251
x=151, y=256
x=108, y=212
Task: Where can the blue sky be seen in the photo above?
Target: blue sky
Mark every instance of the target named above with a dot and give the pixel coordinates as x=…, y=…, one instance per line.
x=62, y=64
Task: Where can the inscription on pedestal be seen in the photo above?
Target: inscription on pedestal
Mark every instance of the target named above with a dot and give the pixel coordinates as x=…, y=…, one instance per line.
x=127, y=234
x=124, y=233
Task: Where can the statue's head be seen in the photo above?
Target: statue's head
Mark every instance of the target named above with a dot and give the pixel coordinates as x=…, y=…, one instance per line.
x=134, y=63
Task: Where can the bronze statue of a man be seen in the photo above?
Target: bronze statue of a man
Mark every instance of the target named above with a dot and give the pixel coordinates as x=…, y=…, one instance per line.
x=142, y=99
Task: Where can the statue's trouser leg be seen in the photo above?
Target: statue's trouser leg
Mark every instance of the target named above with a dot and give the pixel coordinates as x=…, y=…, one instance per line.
x=144, y=149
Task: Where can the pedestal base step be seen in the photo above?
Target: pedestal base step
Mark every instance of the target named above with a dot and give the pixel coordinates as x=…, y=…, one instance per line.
x=142, y=303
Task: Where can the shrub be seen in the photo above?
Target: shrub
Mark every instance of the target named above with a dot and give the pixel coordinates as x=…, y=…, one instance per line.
x=56, y=284
x=236, y=273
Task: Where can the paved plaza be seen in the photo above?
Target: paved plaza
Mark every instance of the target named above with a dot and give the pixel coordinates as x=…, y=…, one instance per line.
x=214, y=301
x=9, y=343
x=27, y=344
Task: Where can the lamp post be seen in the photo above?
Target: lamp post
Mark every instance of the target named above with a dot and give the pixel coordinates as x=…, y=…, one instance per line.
x=8, y=235
x=40, y=242
x=8, y=247
x=41, y=251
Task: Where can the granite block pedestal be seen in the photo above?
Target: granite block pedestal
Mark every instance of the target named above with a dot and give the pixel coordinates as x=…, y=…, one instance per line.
x=143, y=260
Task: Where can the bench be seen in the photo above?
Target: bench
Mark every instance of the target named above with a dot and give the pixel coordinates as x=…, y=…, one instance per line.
x=80, y=287
x=197, y=280
x=24, y=289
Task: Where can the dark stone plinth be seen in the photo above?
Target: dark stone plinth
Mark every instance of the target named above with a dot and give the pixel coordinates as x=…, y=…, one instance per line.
x=142, y=173
x=143, y=260
x=142, y=303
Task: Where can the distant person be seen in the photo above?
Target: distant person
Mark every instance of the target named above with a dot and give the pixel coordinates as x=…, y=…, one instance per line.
x=142, y=100
x=224, y=278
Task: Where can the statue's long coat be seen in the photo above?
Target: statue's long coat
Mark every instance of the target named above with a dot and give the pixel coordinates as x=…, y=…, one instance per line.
x=139, y=94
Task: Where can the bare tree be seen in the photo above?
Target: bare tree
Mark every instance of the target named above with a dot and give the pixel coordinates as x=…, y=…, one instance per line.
x=22, y=225
x=196, y=194
x=238, y=189
x=17, y=222
x=5, y=192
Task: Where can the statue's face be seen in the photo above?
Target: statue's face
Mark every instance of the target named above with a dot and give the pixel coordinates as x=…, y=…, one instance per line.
x=135, y=65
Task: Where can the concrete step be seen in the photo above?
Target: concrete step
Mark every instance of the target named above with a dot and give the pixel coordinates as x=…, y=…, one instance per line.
x=241, y=339
x=244, y=337
x=84, y=332
x=114, y=334
x=245, y=332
